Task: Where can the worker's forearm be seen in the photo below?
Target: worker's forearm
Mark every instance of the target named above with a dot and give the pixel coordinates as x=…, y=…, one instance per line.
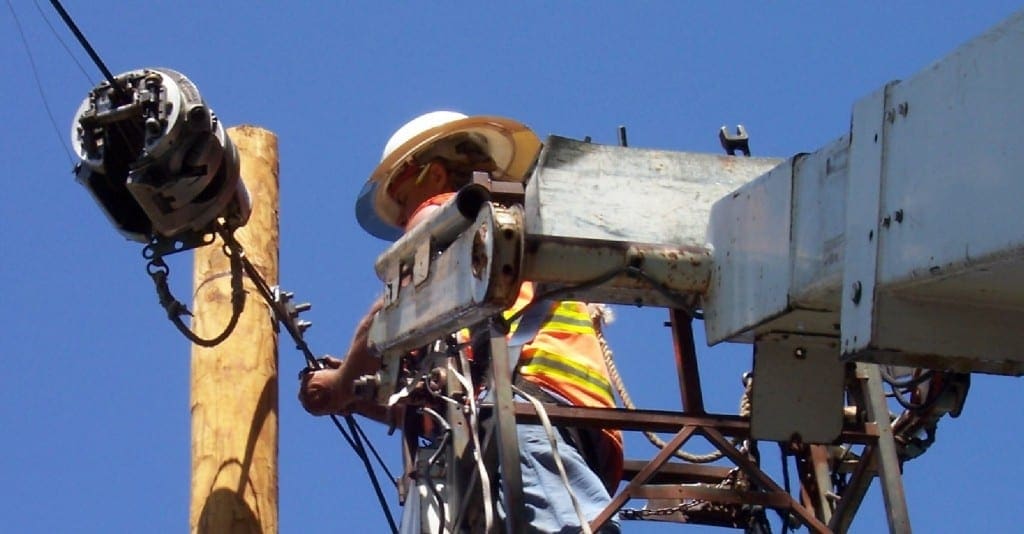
x=359, y=360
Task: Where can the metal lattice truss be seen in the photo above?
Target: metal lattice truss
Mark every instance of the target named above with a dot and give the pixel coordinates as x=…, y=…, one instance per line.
x=896, y=247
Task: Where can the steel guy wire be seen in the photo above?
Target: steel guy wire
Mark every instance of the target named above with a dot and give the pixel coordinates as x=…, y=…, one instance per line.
x=282, y=317
x=39, y=84
x=261, y=285
x=53, y=30
x=88, y=48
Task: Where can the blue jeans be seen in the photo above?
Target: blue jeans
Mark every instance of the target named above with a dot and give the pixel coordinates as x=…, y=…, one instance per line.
x=548, y=508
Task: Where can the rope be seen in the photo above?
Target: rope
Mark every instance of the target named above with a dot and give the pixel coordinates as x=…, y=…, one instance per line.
x=746, y=405
x=601, y=315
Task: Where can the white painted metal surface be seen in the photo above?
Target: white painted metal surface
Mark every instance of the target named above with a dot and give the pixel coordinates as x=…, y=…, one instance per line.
x=905, y=237
x=749, y=234
x=473, y=279
x=861, y=255
x=902, y=239
x=618, y=194
x=819, y=227
x=594, y=209
x=950, y=260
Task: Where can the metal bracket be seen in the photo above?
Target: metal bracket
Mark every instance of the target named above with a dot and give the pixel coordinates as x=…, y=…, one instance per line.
x=476, y=277
x=161, y=246
x=731, y=143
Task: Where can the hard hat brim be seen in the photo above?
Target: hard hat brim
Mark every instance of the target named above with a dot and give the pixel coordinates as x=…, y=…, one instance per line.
x=511, y=144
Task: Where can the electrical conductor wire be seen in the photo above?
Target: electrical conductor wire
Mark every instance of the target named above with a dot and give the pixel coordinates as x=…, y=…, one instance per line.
x=281, y=316
x=67, y=49
x=39, y=83
x=88, y=48
x=353, y=437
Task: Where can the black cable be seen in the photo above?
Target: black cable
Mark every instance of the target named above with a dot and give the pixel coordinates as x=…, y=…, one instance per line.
x=62, y=43
x=250, y=269
x=89, y=50
x=551, y=294
x=158, y=271
x=344, y=433
x=929, y=402
x=887, y=376
x=39, y=84
x=282, y=317
x=637, y=272
x=353, y=437
x=373, y=476
x=264, y=290
x=376, y=455
x=630, y=270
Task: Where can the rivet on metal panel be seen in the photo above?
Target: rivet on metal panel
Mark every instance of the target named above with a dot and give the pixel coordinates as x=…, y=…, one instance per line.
x=856, y=292
x=886, y=221
x=800, y=353
x=890, y=116
x=871, y=235
x=898, y=216
x=904, y=108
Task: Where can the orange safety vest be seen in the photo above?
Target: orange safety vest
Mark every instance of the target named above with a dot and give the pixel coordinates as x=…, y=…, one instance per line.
x=565, y=358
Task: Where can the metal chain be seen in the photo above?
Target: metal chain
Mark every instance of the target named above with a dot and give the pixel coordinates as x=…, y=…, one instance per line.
x=729, y=482
x=641, y=514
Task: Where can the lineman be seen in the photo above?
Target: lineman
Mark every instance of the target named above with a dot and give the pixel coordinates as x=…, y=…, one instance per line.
x=424, y=163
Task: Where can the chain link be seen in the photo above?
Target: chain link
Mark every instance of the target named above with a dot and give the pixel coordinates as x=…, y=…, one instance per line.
x=645, y=513
x=731, y=481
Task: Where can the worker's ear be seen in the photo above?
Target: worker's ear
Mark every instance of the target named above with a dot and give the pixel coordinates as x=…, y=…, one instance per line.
x=437, y=176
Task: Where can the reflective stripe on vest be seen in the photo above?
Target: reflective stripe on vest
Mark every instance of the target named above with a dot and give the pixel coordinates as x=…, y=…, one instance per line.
x=564, y=354
x=543, y=363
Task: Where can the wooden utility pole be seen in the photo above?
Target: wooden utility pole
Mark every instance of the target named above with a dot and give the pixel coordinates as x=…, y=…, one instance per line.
x=234, y=384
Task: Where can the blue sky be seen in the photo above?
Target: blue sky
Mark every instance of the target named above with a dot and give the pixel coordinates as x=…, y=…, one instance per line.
x=94, y=392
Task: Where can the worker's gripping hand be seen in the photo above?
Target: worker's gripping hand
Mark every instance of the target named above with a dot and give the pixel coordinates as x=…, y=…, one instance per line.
x=322, y=391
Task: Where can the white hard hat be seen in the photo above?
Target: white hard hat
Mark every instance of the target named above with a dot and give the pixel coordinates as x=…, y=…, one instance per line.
x=512, y=146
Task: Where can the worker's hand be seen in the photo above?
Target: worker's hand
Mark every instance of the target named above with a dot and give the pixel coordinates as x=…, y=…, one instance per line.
x=323, y=392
